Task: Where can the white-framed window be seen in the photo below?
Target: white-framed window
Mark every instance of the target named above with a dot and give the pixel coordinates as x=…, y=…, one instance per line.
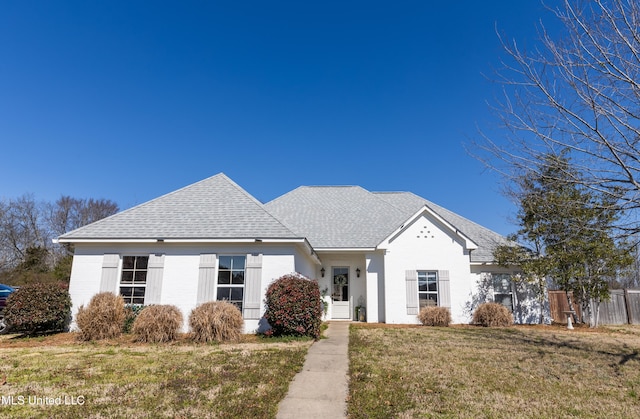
x=231, y=274
x=502, y=290
x=427, y=288
x=133, y=279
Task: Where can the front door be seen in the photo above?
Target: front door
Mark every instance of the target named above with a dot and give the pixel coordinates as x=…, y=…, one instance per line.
x=340, y=294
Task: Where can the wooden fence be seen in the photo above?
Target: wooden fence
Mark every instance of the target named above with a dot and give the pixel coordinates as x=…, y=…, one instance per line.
x=558, y=304
x=622, y=308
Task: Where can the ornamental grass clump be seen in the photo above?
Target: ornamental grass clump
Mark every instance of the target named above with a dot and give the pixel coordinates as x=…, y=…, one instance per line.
x=492, y=315
x=103, y=318
x=294, y=306
x=157, y=323
x=39, y=307
x=435, y=316
x=216, y=321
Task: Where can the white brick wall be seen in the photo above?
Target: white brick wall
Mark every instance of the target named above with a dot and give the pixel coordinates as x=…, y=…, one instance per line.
x=181, y=268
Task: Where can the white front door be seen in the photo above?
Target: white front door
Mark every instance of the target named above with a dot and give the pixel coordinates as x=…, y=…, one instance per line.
x=341, y=309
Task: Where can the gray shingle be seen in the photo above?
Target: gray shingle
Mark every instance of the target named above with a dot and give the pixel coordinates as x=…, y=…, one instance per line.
x=210, y=209
x=352, y=217
x=327, y=216
x=336, y=216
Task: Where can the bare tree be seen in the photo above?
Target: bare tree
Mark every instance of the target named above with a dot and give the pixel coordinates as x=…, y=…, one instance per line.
x=71, y=213
x=577, y=93
x=27, y=227
x=21, y=229
x=5, y=259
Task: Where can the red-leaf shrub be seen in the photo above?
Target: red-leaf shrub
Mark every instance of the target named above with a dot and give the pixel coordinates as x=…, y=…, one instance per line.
x=39, y=307
x=294, y=306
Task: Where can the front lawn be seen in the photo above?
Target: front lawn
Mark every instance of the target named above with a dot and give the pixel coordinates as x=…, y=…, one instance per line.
x=122, y=379
x=465, y=371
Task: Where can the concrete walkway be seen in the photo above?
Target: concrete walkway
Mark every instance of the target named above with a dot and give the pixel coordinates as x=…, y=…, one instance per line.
x=320, y=389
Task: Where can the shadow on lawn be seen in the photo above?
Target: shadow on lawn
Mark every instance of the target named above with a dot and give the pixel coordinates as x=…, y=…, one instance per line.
x=32, y=335
x=554, y=341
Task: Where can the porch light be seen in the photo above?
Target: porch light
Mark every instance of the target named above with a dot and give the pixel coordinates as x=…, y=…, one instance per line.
x=322, y=271
x=358, y=272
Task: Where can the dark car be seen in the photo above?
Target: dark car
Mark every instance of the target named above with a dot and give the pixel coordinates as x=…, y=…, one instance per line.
x=5, y=291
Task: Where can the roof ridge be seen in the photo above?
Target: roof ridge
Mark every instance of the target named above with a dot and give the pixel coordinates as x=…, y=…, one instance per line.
x=219, y=176
x=395, y=207
x=312, y=187
x=259, y=204
x=283, y=195
x=146, y=203
x=431, y=204
x=332, y=186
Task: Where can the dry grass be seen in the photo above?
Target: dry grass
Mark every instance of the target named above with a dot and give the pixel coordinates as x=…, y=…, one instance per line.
x=492, y=315
x=216, y=321
x=471, y=372
x=119, y=378
x=103, y=318
x=435, y=316
x=155, y=324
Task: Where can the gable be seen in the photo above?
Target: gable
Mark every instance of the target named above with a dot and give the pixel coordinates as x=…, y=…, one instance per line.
x=485, y=239
x=427, y=225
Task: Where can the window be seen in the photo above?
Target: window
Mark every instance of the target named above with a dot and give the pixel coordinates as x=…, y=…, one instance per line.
x=133, y=280
x=340, y=290
x=427, y=288
x=231, y=279
x=502, y=292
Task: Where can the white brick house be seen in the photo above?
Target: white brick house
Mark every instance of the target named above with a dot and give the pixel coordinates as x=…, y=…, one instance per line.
x=387, y=252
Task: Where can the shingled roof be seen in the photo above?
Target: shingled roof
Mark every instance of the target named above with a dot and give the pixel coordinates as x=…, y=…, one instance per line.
x=329, y=217
x=352, y=217
x=214, y=208
x=337, y=216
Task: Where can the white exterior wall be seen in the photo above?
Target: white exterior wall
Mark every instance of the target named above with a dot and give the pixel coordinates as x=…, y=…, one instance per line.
x=86, y=272
x=375, y=287
x=427, y=245
x=357, y=287
x=526, y=305
x=305, y=265
x=181, y=270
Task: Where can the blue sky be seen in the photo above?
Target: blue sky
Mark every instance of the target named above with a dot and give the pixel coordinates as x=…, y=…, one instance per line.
x=129, y=100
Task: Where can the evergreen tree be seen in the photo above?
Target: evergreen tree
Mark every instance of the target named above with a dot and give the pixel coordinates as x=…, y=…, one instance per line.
x=571, y=229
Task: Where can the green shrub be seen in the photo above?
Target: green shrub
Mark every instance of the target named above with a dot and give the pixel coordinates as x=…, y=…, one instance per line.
x=492, y=315
x=130, y=314
x=39, y=307
x=103, y=318
x=294, y=306
x=216, y=321
x=157, y=323
x=435, y=316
